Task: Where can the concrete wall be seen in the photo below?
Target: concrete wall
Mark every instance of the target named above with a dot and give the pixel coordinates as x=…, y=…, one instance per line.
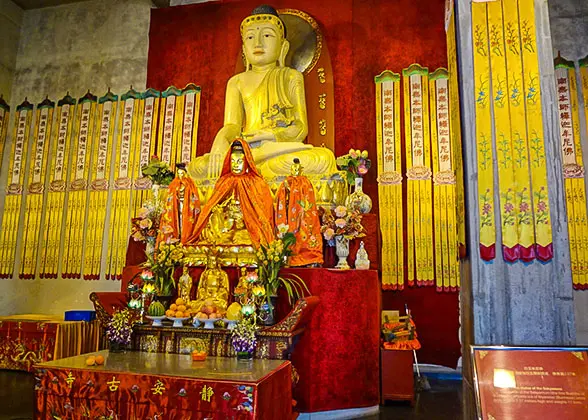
x=10, y=23
x=89, y=45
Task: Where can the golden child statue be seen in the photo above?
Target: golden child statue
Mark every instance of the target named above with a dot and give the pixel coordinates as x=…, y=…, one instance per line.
x=213, y=288
x=265, y=105
x=185, y=285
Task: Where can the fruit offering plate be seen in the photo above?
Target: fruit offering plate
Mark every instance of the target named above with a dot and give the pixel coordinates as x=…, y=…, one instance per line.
x=208, y=323
x=230, y=323
x=178, y=322
x=156, y=320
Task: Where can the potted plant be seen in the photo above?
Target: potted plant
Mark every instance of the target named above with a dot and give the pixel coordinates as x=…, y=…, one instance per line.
x=243, y=338
x=356, y=164
x=119, y=330
x=162, y=264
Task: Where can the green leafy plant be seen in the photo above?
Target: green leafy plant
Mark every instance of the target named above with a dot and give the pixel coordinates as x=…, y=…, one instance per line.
x=355, y=163
x=162, y=264
x=271, y=258
x=158, y=172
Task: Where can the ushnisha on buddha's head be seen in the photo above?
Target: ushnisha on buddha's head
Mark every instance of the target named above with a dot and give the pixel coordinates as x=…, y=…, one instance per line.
x=180, y=170
x=264, y=38
x=237, y=159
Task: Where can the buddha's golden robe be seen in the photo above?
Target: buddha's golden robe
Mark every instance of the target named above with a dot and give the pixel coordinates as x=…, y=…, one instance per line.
x=270, y=108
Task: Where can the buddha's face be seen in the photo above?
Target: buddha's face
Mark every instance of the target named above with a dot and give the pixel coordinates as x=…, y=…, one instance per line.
x=296, y=169
x=181, y=173
x=262, y=44
x=237, y=162
x=212, y=287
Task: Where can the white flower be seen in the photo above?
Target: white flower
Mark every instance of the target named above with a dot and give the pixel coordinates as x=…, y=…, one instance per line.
x=282, y=230
x=340, y=211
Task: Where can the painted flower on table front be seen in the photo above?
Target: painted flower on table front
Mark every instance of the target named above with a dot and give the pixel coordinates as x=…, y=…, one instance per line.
x=182, y=392
x=135, y=388
x=226, y=396
x=340, y=223
x=340, y=211
x=328, y=234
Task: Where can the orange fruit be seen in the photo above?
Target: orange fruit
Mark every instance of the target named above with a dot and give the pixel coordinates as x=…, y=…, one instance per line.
x=169, y=313
x=99, y=359
x=179, y=314
x=173, y=307
x=91, y=361
x=182, y=308
x=180, y=301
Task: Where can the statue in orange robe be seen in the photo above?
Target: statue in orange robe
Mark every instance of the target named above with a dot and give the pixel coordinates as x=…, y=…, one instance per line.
x=182, y=206
x=240, y=178
x=296, y=208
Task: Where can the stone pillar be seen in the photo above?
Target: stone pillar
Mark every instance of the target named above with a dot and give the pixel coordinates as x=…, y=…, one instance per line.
x=516, y=304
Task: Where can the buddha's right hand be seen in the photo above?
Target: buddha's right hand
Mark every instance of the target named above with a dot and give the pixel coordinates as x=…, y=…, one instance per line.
x=215, y=165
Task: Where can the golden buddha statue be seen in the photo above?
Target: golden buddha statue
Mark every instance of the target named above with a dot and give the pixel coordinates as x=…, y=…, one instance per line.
x=185, y=285
x=213, y=288
x=265, y=105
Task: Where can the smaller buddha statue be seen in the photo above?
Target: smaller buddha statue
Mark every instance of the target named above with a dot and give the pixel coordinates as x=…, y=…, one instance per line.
x=182, y=207
x=213, y=289
x=361, y=258
x=240, y=210
x=296, y=209
x=185, y=285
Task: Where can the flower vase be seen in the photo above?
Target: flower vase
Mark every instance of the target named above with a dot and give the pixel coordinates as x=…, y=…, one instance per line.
x=342, y=251
x=359, y=200
x=244, y=355
x=115, y=347
x=150, y=246
x=266, y=311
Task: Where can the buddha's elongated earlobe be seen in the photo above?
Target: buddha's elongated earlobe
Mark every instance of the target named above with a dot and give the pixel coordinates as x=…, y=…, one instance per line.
x=284, y=53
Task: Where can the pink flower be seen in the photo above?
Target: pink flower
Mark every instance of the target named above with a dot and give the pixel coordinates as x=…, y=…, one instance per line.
x=328, y=234
x=340, y=211
x=508, y=207
x=353, y=154
x=147, y=274
x=340, y=223
x=524, y=207
x=486, y=209
x=145, y=224
x=541, y=206
x=362, y=169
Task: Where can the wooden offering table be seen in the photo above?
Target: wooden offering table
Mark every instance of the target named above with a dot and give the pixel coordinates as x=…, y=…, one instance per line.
x=138, y=385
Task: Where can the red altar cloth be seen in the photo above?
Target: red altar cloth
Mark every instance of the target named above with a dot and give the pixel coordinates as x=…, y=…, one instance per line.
x=137, y=385
x=337, y=357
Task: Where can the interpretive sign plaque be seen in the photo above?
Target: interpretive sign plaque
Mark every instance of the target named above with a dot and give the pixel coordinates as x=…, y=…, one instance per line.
x=531, y=382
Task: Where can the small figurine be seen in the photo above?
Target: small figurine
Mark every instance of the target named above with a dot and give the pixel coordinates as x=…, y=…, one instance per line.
x=185, y=285
x=361, y=258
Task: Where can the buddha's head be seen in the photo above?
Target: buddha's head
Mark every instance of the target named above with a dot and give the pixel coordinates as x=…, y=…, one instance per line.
x=212, y=285
x=181, y=170
x=185, y=270
x=211, y=261
x=237, y=159
x=264, y=37
x=296, y=168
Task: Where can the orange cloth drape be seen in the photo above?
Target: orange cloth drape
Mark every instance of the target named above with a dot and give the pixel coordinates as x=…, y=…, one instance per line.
x=169, y=226
x=296, y=207
x=252, y=192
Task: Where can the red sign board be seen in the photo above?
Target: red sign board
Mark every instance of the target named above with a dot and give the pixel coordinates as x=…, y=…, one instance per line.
x=531, y=383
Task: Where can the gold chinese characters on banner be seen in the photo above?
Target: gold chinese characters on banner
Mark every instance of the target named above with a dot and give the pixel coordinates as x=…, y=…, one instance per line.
x=390, y=179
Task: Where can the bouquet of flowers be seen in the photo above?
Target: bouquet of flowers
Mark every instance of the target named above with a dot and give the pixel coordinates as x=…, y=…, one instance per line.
x=163, y=263
x=158, y=172
x=355, y=163
x=340, y=222
x=271, y=259
x=120, y=327
x=146, y=225
x=243, y=337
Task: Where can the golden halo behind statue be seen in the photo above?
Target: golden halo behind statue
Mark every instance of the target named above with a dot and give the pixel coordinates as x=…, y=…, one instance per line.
x=305, y=37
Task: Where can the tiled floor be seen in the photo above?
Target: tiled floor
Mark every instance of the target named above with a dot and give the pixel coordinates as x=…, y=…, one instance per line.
x=442, y=402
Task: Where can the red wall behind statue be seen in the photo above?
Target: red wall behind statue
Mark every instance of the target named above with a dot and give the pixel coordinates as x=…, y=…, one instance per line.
x=200, y=43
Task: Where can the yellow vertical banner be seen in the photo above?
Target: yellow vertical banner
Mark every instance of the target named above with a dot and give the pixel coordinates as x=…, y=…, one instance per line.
x=534, y=118
x=444, y=184
x=56, y=195
x=573, y=169
x=457, y=158
x=502, y=129
x=4, y=121
x=418, y=174
x=484, y=151
x=120, y=212
x=14, y=190
x=170, y=129
x=390, y=178
x=35, y=189
x=99, y=184
x=191, y=115
x=518, y=132
x=77, y=198
x=145, y=148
